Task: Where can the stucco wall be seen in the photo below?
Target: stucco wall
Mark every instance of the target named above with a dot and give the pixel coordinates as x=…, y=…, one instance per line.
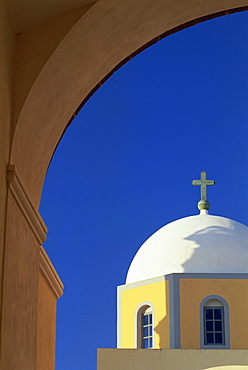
x=20, y=293
x=130, y=299
x=172, y=359
x=46, y=326
x=50, y=289
x=7, y=52
x=193, y=291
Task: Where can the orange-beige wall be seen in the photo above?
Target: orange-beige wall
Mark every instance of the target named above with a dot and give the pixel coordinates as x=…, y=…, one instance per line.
x=50, y=289
x=46, y=326
x=193, y=291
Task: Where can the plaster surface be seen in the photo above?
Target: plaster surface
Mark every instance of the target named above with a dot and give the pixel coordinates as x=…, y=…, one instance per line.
x=198, y=244
x=172, y=359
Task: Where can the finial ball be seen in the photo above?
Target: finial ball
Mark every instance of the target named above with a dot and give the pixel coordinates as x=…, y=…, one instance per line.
x=203, y=204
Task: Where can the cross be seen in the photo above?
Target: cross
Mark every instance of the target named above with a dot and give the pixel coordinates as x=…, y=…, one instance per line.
x=203, y=183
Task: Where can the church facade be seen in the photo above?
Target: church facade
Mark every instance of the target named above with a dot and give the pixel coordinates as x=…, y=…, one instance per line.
x=186, y=293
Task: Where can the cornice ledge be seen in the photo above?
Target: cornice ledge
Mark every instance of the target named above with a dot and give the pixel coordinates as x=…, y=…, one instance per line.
x=50, y=273
x=32, y=216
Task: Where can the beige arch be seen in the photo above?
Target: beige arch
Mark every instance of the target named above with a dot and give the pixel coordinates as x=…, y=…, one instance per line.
x=106, y=34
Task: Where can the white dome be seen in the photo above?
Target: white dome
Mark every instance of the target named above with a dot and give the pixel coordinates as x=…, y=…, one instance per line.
x=199, y=244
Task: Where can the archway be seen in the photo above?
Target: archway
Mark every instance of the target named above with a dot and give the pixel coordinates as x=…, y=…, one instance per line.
x=53, y=56
x=146, y=203
x=78, y=65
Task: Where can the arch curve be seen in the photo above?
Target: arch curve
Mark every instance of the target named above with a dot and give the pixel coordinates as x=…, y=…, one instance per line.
x=104, y=38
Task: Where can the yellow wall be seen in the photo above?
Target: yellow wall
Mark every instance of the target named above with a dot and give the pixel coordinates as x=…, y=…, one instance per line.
x=193, y=291
x=129, y=301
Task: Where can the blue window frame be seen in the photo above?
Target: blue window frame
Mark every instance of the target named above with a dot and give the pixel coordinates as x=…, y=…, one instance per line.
x=144, y=326
x=147, y=330
x=214, y=326
x=214, y=323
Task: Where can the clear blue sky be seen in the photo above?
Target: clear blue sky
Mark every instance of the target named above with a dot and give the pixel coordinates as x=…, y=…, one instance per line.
x=125, y=165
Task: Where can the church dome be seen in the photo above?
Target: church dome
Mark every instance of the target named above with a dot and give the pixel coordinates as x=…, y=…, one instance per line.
x=195, y=244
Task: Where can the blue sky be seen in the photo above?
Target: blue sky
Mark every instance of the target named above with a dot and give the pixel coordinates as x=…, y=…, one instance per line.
x=124, y=169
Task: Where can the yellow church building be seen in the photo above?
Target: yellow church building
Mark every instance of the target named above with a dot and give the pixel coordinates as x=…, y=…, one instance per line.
x=186, y=293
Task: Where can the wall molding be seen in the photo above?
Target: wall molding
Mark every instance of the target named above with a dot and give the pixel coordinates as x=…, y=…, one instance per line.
x=33, y=217
x=50, y=274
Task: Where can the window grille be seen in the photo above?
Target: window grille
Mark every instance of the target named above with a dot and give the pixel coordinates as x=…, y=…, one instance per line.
x=147, y=329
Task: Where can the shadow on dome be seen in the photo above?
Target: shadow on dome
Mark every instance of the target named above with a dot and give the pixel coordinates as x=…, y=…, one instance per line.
x=218, y=249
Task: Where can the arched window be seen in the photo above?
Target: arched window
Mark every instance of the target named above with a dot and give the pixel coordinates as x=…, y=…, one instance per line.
x=145, y=332
x=214, y=314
